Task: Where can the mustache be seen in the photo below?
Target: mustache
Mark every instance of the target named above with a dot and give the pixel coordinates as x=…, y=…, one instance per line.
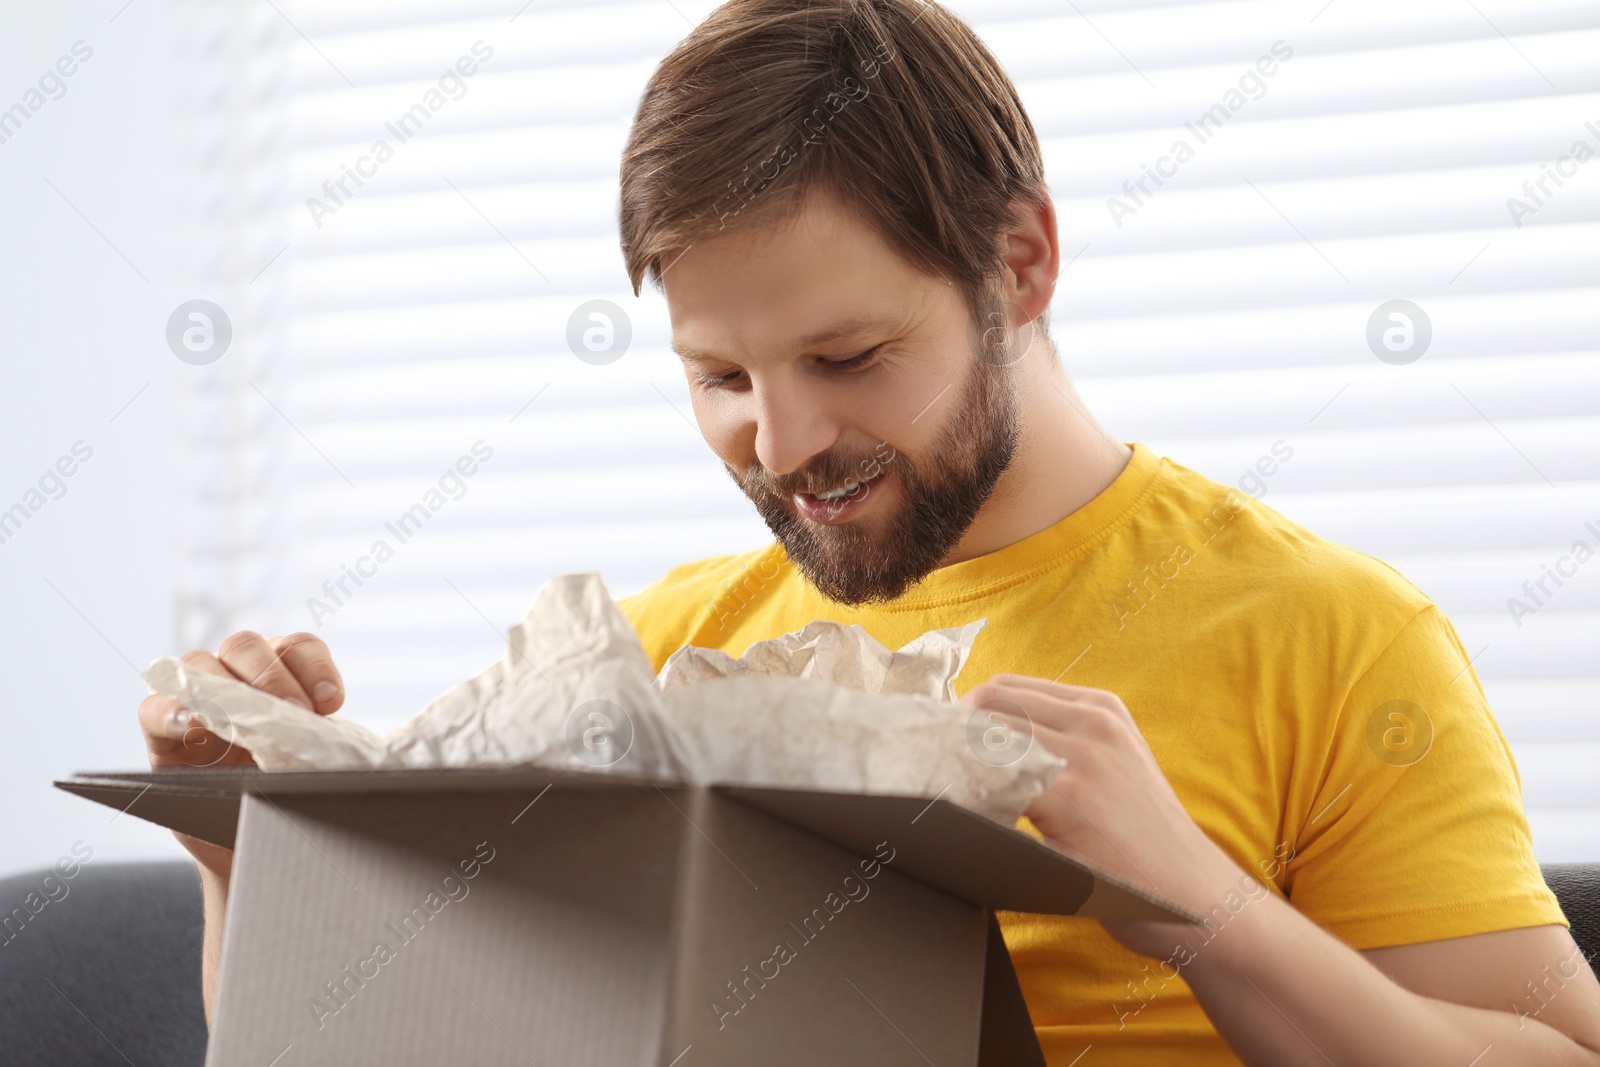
x=824, y=473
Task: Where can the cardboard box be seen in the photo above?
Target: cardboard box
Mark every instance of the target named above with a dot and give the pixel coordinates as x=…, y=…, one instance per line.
x=527, y=916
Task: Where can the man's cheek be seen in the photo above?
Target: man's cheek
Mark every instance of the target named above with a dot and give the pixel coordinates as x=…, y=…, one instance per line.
x=720, y=428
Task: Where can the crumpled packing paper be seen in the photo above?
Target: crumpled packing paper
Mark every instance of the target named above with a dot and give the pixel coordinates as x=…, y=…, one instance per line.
x=827, y=707
x=842, y=655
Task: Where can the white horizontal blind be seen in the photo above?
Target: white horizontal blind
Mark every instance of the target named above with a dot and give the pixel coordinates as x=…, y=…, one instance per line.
x=425, y=302
x=1369, y=157
x=1228, y=309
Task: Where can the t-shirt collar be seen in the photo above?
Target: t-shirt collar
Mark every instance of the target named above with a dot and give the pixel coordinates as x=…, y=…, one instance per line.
x=1054, y=545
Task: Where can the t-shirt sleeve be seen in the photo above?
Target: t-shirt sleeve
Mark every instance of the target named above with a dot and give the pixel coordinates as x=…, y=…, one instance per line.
x=1417, y=831
x=655, y=617
x=670, y=611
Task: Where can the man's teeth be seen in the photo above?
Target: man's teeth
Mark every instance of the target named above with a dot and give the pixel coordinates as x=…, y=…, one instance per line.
x=844, y=490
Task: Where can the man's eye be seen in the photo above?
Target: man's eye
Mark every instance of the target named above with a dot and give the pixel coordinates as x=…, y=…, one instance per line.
x=714, y=381
x=720, y=381
x=854, y=361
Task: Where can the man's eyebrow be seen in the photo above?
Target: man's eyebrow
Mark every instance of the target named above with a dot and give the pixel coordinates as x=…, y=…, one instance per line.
x=827, y=335
x=688, y=354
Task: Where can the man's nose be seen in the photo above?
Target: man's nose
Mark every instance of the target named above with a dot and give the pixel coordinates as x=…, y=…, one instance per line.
x=792, y=426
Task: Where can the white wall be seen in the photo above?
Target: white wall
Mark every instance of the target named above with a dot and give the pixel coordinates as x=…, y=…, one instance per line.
x=87, y=582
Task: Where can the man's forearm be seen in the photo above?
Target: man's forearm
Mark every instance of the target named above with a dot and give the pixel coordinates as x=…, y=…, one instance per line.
x=214, y=890
x=1282, y=991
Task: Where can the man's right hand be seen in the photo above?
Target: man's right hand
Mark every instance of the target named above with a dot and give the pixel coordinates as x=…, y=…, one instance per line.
x=298, y=668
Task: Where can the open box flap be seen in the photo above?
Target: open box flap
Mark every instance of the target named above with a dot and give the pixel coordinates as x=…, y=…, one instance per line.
x=964, y=854
x=204, y=802
x=940, y=843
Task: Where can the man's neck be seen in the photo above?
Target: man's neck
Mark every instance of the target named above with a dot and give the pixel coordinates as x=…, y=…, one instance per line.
x=1064, y=459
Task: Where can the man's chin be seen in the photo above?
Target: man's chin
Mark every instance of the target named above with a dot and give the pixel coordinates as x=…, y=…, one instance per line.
x=850, y=588
x=852, y=564
x=867, y=559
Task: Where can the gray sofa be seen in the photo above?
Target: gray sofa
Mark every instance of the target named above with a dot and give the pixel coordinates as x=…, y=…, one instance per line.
x=109, y=974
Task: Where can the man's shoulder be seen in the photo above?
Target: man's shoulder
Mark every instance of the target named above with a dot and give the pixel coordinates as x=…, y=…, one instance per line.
x=1287, y=571
x=670, y=611
x=1318, y=569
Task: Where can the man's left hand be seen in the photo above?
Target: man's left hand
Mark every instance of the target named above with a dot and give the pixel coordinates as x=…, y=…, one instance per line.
x=1112, y=804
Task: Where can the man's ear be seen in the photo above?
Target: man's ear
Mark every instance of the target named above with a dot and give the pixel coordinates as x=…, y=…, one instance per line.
x=1031, y=252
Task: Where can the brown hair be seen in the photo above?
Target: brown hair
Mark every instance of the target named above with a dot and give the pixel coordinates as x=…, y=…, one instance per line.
x=894, y=106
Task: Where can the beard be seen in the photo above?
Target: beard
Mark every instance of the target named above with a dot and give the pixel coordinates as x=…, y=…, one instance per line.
x=874, y=562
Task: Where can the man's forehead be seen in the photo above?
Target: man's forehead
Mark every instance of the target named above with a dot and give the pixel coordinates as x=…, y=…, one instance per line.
x=789, y=283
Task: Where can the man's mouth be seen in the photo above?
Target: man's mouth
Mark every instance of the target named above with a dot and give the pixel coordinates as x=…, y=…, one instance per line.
x=838, y=505
x=847, y=489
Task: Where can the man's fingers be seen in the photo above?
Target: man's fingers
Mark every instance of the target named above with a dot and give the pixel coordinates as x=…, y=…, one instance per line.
x=174, y=740
x=1081, y=693
x=159, y=716
x=309, y=660
x=251, y=659
x=1043, y=709
x=201, y=660
x=296, y=668
x=1051, y=740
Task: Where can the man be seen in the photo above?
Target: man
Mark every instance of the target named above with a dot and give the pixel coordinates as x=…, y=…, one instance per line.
x=844, y=204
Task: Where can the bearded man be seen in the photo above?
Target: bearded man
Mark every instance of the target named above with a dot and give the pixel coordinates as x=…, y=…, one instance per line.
x=844, y=204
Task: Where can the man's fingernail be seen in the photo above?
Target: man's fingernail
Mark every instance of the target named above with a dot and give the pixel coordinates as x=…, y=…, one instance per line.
x=178, y=722
x=323, y=692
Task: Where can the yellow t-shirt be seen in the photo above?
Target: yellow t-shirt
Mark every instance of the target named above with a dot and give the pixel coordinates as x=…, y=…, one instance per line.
x=1314, y=711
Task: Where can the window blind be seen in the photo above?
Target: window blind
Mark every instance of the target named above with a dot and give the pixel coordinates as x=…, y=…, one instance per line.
x=1245, y=190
